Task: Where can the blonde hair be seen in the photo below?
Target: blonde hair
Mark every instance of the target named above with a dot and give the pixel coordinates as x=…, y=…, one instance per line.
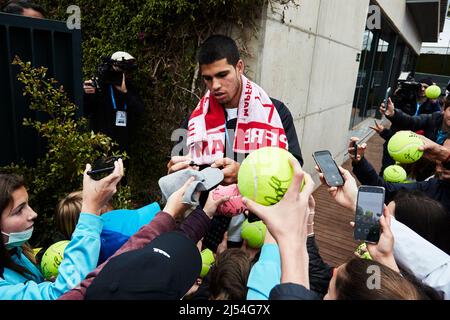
x=67, y=213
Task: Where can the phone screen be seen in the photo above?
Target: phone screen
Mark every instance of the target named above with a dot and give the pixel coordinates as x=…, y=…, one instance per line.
x=369, y=209
x=329, y=168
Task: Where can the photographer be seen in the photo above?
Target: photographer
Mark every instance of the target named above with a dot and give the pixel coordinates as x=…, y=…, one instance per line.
x=110, y=100
x=410, y=97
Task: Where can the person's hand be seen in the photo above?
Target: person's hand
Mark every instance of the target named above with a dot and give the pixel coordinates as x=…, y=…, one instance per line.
x=123, y=87
x=345, y=195
x=230, y=170
x=311, y=214
x=88, y=87
x=287, y=220
x=383, y=251
x=223, y=245
x=178, y=163
x=388, y=110
x=175, y=206
x=360, y=152
x=211, y=205
x=96, y=194
x=433, y=151
x=378, y=127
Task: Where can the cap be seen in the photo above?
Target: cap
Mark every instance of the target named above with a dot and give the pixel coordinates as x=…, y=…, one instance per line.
x=121, y=56
x=165, y=269
x=119, y=225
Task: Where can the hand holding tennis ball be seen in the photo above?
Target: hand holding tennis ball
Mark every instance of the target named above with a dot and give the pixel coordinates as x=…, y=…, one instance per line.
x=287, y=219
x=404, y=146
x=265, y=175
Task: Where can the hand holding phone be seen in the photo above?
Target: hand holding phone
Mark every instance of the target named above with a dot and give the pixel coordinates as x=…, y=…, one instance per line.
x=329, y=168
x=369, y=209
x=102, y=167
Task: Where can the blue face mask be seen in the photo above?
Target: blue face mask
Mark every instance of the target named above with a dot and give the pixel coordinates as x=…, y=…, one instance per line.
x=16, y=239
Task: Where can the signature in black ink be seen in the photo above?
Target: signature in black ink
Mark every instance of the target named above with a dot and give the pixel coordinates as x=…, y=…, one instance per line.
x=276, y=185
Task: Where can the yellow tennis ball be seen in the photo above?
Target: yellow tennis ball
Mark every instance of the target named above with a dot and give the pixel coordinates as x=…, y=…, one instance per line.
x=52, y=259
x=254, y=233
x=265, y=175
x=404, y=147
x=395, y=174
x=433, y=92
x=207, y=262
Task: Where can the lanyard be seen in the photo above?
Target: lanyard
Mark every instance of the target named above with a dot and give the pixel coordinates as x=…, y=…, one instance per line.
x=114, y=100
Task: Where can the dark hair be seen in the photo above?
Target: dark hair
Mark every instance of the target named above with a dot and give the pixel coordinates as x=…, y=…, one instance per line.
x=8, y=184
x=427, y=217
x=218, y=47
x=353, y=278
x=17, y=7
x=446, y=102
x=228, y=279
x=428, y=81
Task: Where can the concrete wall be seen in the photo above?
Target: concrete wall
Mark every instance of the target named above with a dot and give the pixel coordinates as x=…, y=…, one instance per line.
x=402, y=20
x=306, y=56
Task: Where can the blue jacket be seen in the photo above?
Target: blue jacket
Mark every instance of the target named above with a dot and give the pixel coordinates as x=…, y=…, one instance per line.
x=80, y=258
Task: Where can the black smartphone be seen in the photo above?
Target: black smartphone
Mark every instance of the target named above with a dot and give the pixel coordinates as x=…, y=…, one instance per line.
x=102, y=167
x=355, y=151
x=329, y=168
x=219, y=225
x=386, y=97
x=369, y=209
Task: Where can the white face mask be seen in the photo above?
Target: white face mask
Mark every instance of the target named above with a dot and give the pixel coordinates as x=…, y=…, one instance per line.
x=16, y=239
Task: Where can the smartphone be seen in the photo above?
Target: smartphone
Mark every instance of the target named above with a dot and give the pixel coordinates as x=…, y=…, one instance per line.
x=355, y=152
x=329, y=168
x=102, y=167
x=369, y=209
x=386, y=97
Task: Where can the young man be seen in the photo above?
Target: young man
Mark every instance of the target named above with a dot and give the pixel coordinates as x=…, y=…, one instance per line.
x=234, y=117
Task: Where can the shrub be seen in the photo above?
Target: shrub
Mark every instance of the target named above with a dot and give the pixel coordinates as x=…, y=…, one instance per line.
x=69, y=147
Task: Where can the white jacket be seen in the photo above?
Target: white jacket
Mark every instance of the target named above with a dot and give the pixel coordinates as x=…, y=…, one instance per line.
x=424, y=260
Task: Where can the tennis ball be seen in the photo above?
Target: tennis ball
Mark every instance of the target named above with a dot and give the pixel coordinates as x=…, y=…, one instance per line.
x=52, y=259
x=254, y=233
x=362, y=251
x=395, y=174
x=207, y=261
x=433, y=92
x=403, y=147
x=265, y=175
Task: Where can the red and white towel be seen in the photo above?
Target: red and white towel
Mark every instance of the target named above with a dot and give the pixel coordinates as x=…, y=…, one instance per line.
x=258, y=125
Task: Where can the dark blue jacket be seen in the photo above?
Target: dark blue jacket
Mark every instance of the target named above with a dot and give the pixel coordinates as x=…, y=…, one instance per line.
x=434, y=188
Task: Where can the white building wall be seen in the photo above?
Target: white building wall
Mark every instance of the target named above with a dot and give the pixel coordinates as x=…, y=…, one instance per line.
x=306, y=56
x=402, y=20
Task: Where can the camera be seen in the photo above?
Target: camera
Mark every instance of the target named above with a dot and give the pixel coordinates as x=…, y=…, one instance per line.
x=406, y=96
x=111, y=71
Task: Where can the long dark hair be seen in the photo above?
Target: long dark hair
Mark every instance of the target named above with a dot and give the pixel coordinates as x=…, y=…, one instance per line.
x=427, y=217
x=8, y=184
x=352, y=283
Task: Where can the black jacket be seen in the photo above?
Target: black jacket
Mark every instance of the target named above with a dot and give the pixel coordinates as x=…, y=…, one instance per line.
x=288, y=125
x=430, y=123
x=99, y=109
x=436, y=189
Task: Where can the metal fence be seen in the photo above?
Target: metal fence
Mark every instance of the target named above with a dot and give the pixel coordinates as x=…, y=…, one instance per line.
x=44, y=43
